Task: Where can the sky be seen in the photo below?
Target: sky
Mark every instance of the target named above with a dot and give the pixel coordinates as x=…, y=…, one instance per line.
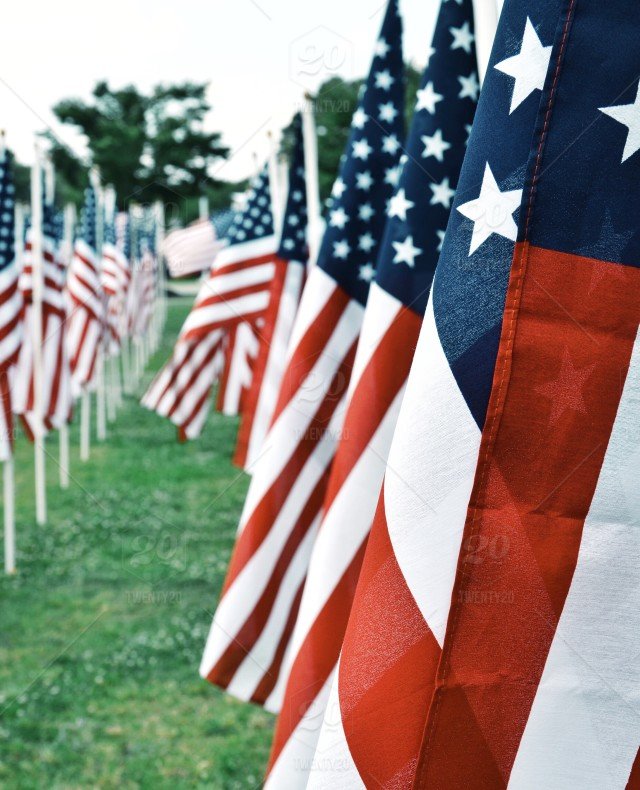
x=259, y=56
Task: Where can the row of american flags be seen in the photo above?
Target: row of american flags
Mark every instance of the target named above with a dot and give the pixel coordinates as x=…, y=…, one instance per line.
x=435, y=579
x=77, y=300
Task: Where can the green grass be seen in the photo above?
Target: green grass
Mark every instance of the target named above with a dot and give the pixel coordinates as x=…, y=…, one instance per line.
x=102, y=628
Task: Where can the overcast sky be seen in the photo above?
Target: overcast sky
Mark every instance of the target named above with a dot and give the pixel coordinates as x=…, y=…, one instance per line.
x=258, y=55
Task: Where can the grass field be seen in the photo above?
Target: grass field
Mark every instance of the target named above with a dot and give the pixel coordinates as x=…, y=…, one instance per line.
x=103, y=626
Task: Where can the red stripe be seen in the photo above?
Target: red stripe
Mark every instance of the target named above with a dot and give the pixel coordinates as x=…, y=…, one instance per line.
x=555, y=395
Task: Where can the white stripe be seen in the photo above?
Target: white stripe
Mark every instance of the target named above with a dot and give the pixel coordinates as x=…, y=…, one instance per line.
x=276, y=362
x=583, y=727
x=253, y=669
x=245, y=348
x=176, y=393
x=429, y=478
x=245, y=591
x=318, y=290
x=225, y=311
x=291, y=769
x=221, y=283
x=292, y=424
x=333, y=767
x=245, y=252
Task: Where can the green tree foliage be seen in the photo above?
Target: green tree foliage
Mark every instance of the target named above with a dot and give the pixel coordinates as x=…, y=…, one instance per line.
x=150, y=146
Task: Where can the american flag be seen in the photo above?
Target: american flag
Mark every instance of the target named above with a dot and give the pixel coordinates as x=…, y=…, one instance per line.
x=190, y=250
x=286, y=289
x=115, y=277
x=494, y=633
x=86, y=301
x=417, y=219
x=57, y=401
x=261, y=595
x=10, y=323
x=235, y=293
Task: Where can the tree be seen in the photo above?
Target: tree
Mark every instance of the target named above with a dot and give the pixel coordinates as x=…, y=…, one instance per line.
x=149, y=146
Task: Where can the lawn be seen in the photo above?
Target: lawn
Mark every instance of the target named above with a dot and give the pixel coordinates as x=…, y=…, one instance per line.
x=103, y=626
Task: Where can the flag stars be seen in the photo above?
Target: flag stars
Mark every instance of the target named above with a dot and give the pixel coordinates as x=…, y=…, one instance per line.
x=528, y=68
x=390, y=144
x=628, y=115
x=382, y=48
x=469, y=87
x=384, y=80
x=366, y=212
x=364, y=181
x=463, y=38
x=341, y=249
x=360, y=118
x=366, y=242
x=442, y=194
x=362, y=149
x=387, y=112
x=492, y=212
x=338, y=188
x=435, y=145
x=428, y=98
x=392, y=175
x=441, y=234
x=399, y=205
x=367, y=272
x=406, y=252
x=338, y=218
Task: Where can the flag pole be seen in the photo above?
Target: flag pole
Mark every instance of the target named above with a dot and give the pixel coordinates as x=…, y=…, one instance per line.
x=314, y=208
x=63, y=433
x=275, y=187
x=485, y=19
x=111, y=366
x=37, y=289
x=101, y=400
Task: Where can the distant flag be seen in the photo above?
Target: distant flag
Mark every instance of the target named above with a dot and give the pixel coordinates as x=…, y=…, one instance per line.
x=236, y=292
x=417, y=219
x=254, y=619
x=275, y=333
x=115, y=276
x=57, y=400
x=191, y=250
x=10, y=324
x=495, y=627
x=86, y=301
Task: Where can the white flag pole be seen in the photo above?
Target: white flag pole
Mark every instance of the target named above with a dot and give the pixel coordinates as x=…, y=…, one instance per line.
x=63, y=433
x=314, y=208
x=485, y=18
x=203, y=207
x=37, y=259
x=101, y=400
x=275, y=187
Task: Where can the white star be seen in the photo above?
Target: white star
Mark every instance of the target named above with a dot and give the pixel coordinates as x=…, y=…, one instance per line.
x=294, y=220
x=441, y=235
x=338, y=188
x=463, y=38
x=366, y=242
x=365, y=212
x=364, y=181
x=492, y=211
x=529, y=67
x=384, y=80
x=406, y=252
x=341, y=249
x=428, y=98
x=288, y=244
x=392, y=175
x=360, y=117
x=390, y=144
x=467, y=127
x=469, y=87
x=387, y=112
x=434, y=145
x=442, y=194
x=338, y=218
x=362, y=149
x=297, y=195
x=382, y=48
x=367, y=272
x=399, y=205
x=629, y=115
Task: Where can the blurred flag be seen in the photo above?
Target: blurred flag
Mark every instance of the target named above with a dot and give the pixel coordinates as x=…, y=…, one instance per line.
x=86, y=301
x=417, y=219
x=286, y=289
x=57, y=400
x=499, y=598
x=115, y=278
x=235, y=292
x=262, y=591
x=191, y=250
x=10, y=323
